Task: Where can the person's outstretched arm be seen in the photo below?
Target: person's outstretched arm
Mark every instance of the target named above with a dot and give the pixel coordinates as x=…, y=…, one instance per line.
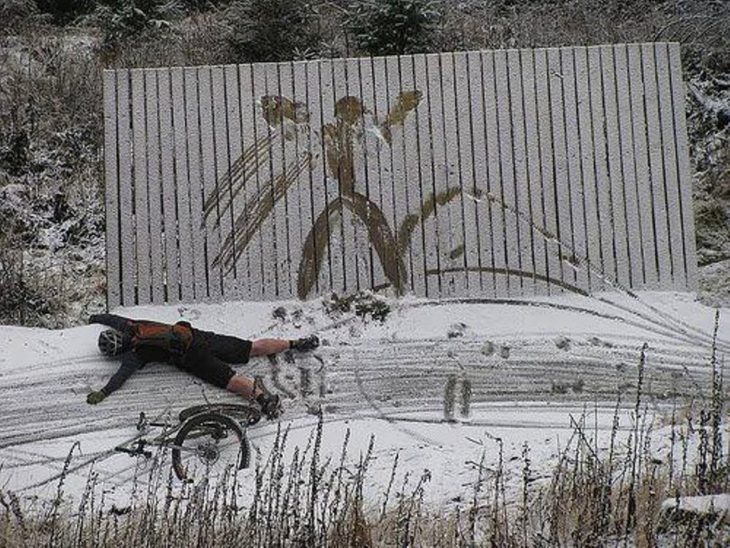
x=130, y=363
x=111, y=320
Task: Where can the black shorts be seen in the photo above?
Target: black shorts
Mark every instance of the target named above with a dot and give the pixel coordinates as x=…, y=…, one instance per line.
x=210, y=355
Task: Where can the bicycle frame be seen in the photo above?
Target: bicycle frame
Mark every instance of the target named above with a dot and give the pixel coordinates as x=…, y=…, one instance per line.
x=218, y=421
x=163, y=439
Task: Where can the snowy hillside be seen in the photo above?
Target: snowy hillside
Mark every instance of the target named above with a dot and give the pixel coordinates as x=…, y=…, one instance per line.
x=434, y=383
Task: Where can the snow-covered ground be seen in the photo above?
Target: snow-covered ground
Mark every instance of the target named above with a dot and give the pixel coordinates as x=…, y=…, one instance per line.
x=533, y=367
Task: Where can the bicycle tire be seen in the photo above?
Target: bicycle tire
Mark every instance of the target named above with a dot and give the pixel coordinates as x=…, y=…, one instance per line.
x=247, y=414
x=203, y=423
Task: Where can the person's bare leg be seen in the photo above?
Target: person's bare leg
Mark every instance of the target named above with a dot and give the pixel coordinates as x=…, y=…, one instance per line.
x=265, y=347
x=241, y=385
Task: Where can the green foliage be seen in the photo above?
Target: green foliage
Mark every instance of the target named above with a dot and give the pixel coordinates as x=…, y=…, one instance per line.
x=271, y=30
x=65, y=11
x=394, y=27
x=192, y=6
x=122, y=20
x=364, y=304
x=14, y=13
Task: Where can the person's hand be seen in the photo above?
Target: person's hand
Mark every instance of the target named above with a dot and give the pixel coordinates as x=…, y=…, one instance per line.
x=95, y=397
x=305, y=344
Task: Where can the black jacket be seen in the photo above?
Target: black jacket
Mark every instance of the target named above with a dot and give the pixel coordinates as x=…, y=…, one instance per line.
x=133, y=359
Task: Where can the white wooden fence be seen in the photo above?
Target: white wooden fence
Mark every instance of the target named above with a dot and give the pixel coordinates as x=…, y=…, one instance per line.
x=492, y=173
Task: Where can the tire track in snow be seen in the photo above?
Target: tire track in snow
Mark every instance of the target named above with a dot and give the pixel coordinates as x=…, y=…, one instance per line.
x=46, y=401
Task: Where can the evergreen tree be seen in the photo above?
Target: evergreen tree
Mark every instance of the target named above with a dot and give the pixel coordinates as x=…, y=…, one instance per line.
x=394, y=27
x=271, y=30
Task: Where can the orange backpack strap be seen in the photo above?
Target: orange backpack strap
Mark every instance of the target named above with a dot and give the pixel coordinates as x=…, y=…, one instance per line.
x=184, y=334
x=175, y=339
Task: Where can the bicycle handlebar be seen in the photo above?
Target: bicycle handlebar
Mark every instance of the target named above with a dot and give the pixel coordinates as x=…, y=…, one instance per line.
x=139, y=450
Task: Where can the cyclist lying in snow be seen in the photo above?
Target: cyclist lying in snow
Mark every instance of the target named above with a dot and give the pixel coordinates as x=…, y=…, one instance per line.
x=201, y=353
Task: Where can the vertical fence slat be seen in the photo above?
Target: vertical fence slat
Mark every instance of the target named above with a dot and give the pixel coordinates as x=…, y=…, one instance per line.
x=346, y=176
x=154, y=186
x=384, y=159
x=192, y=123
x=265, y=216
x=560, y=168
x=214, y=259
x=371, y=156
x=280, y=178
x=289, y=139
x=588, y=170
x=274, y=226
x=656, y=167
x=111, y=180
x=497, y=214
x=478, y=183
x=282, y=173
x=142, y=214
x=534, y=212
x=628, y=168
x=361, y=251
x=614, y=167
x=545, y=132
x=169, y=198
x=575, y=175
x=441, y=211
x=185, y=230
x=221, y=185
x=411, y=178
x=671, y=181
x=128, y=252
x=303, y=148
x=466, y=173
x=521, y=188
x=683, y=166
x=233, y=181
x=643, y=180
x=397, y=176
x=253, y=154
x=322, y=282
x=331, y=187
x=457, y=255
x=427, y=218
x=600, y=159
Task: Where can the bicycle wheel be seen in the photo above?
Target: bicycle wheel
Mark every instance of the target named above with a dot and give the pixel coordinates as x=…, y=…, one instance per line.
x=210, y=444
x=247, y=415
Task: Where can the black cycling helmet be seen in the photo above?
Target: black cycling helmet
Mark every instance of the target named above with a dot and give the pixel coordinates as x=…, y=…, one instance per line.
x=111, y=342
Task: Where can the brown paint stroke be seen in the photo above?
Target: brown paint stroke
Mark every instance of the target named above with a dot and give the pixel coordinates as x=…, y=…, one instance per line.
x=339, y=137
x=405, y=232
x=456, y=253
x=277, y=108
x=380, y=236
x=511, y=272
x=241, y=170
x=255, y=212
x=428, y=208
x=407, y=101
x=313, y=250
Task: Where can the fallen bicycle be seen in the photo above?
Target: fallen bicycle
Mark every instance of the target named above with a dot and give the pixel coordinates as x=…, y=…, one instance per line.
x=206, y=438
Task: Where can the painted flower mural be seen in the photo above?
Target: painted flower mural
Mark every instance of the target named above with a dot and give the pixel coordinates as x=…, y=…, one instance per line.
x=339, y=137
